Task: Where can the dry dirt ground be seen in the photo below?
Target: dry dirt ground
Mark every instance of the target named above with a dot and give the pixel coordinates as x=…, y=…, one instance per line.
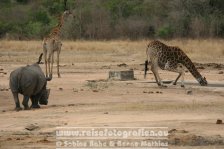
x=84, y=97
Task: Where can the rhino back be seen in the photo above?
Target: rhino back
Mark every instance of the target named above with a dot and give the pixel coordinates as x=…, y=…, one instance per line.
x=27, y=80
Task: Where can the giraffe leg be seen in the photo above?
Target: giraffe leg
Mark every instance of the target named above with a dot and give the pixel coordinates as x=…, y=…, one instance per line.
x=181, y=74
x=176, y=68
x=52, y=61
x=154, y=69
x=180, y=70
x=175, y=82
x=45, y=58
x=182, y=79
x=46, y=67
x=58, y=55
x=49, y=59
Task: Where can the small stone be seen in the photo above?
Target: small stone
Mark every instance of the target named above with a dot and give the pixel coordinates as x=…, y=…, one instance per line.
x=105, y=67
x=220, y=72
x=105, y=113
x=71, y=104
x=9, y=139
x=122, y=65
x=61, y=89
x=65, y=123
x=219, y=121
x=172, y=130
x=129, y=83
x=182, y=131
x=81, y=89
x=95, y=90
x=3, y=111
x=189, y=92
x=200, y=67
x=66, y=111
x=45, y=138
x=75, y=90
x=31, y=127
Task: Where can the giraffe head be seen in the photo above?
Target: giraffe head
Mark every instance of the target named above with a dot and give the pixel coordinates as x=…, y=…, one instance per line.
x=202, y=81
x=67, y=13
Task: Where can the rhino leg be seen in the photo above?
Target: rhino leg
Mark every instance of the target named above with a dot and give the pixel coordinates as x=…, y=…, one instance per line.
x=34, y=103
x=16, y=99
x=25, y=102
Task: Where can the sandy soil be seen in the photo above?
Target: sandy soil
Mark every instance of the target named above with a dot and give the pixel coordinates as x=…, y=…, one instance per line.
x=84, y=97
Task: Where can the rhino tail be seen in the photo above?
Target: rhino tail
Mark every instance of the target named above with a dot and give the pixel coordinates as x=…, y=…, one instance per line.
x=40, y=58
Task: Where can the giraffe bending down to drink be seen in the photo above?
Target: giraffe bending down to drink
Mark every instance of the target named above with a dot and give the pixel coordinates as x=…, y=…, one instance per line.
x=172, y=59
x=52, y=43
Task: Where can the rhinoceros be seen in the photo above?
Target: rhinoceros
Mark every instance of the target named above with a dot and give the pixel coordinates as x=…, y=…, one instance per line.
x=31, y=82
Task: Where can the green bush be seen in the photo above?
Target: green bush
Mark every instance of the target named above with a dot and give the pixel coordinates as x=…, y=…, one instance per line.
x=34, y=29
x=165, y=32
x=111, y=19
x=41, y=16
x=22, y=1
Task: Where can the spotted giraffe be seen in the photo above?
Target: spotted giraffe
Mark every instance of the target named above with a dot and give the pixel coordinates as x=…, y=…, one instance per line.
x=52, y=43
x=172, y=59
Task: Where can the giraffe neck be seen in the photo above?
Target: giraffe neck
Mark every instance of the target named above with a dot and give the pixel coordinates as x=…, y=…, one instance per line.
x=60, y=21
x=190, y=66
x=56, y=31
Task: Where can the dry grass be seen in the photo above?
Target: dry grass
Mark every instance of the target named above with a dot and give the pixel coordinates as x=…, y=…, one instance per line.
x=209, y=50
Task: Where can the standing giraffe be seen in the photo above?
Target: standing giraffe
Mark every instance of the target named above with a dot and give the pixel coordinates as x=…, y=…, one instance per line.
x=172, y=59
x=52, y=43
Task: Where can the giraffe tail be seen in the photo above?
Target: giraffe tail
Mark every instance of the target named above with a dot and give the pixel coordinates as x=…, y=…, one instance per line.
x=146, y=68
x=193, y=70
x=40, y=58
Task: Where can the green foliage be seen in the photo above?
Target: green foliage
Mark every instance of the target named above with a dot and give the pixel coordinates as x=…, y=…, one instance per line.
x=164, y=32
x=5, y=1
x=220, y=32
x=4, y=28
x=22, y=1
x=54, y=7
x=40, y=16
x=34, y=28
x=109, y=19
x=124, y=8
